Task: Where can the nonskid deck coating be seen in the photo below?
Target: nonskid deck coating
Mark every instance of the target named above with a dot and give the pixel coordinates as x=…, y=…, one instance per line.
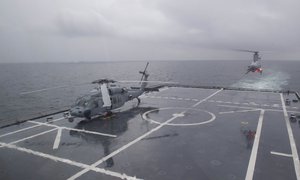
x=178, y=133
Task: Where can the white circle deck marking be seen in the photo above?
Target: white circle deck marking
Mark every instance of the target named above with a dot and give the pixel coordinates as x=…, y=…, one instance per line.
x=213, y=117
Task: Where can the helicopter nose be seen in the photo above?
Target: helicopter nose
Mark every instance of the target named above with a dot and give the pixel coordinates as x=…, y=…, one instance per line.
x=76, y=111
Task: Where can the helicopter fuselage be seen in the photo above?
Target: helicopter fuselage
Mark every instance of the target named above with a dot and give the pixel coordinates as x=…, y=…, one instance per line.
x=254, y=67
x=91, y=105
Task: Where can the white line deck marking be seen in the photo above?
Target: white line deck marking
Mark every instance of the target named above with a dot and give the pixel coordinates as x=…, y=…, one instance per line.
x=73, y=129
x=90, y=132
x=20, y=130
x=207, y=98
x=281, y=154
x=218, y=101
x=178, y=115
x=57, y=139
x=291, y=138
x=228, y=112
x=33, y=136
x=163, y=89
x=252, y=161
x=80, y=173
x=24, y=129
x=67, y=161
x=243, y=107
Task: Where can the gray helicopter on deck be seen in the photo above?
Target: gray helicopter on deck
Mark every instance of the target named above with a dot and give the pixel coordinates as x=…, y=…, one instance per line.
x=107, y=97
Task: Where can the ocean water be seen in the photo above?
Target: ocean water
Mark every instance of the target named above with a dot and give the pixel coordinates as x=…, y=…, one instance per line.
x=75, y=78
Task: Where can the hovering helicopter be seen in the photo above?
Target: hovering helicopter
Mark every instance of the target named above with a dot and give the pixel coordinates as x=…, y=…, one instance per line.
x=255, y=66
x=108, y=96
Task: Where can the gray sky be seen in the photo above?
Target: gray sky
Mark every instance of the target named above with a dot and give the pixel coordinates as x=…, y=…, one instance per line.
x=96, y=30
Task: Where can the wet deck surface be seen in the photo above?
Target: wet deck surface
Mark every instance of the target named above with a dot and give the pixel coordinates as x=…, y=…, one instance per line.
x=178, y=133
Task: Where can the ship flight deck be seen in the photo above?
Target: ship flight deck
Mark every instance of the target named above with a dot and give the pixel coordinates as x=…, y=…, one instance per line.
x=176, y=133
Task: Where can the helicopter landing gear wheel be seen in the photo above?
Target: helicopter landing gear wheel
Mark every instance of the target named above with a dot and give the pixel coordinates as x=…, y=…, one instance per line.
x=108, y=114
x=71, y=119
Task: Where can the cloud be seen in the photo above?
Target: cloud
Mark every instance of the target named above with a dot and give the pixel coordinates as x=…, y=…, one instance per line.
x=259, y=24
x=139, y=29
x=83, y=23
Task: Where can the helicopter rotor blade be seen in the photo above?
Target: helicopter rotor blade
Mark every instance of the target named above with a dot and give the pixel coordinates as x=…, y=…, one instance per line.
x=144, y=72
x=245, y=50
x=41, y=90
x=166, y=82
x=50, y=88
x=105, y=95
x=101, y=81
